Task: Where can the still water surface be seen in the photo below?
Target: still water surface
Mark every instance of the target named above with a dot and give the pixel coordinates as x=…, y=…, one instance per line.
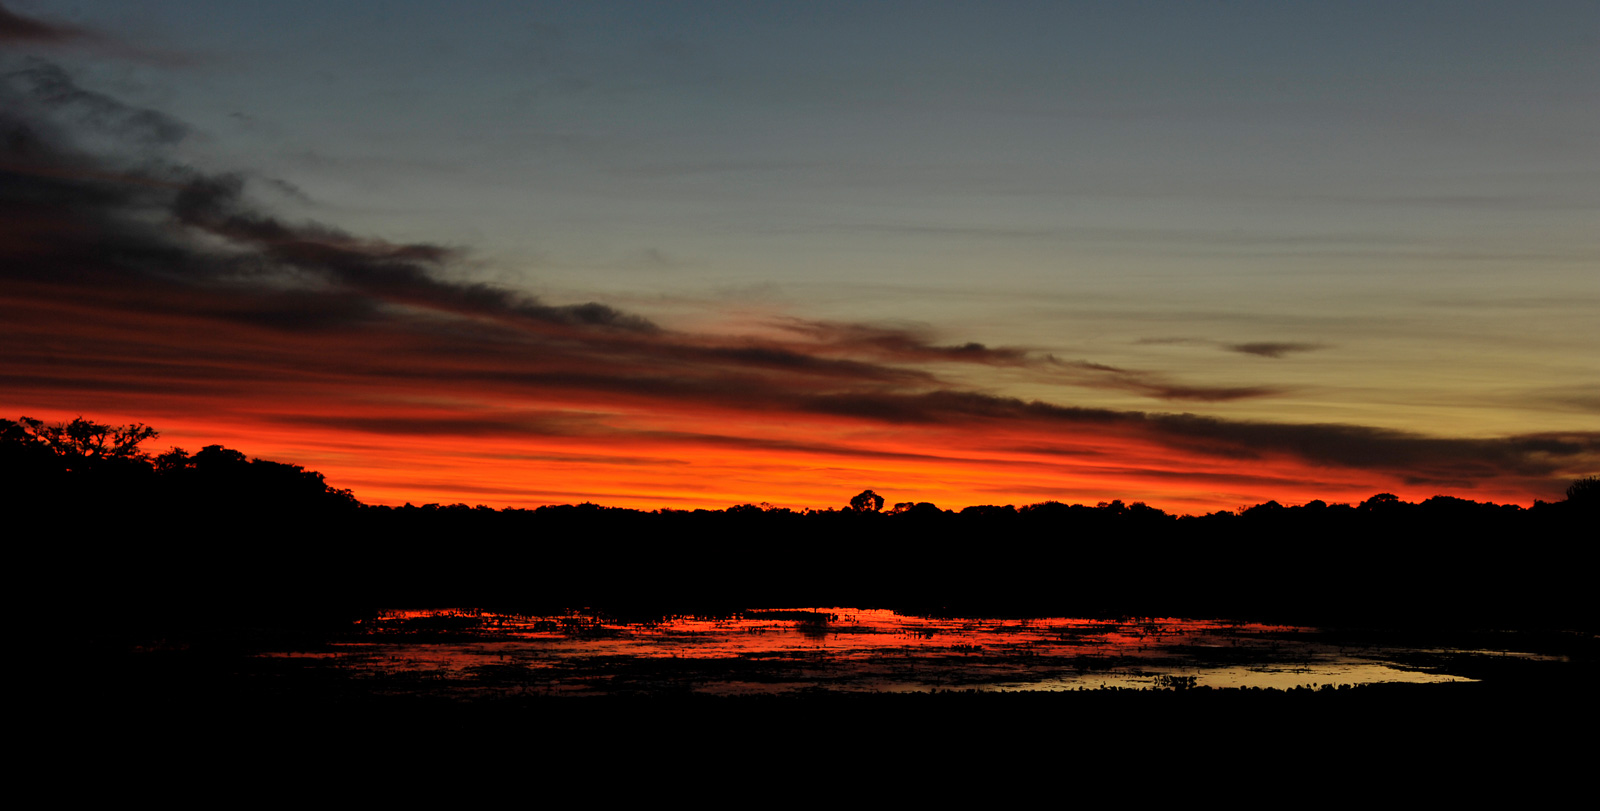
x=469, y=652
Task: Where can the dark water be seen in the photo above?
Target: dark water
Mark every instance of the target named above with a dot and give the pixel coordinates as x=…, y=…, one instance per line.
x=468, y=653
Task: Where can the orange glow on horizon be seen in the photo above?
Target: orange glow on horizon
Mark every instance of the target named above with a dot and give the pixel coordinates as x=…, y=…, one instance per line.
x=717, y=460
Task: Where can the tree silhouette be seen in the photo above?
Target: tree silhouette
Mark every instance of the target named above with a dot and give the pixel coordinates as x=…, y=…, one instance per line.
x=82, y=443
x=1585, y=491
x=1382, y=501
x=866, y=502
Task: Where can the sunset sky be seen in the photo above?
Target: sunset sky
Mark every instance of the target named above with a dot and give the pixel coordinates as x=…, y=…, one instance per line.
x=1197, y=254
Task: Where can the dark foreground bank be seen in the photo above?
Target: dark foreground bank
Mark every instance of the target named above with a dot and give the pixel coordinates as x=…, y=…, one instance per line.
x=919, y=742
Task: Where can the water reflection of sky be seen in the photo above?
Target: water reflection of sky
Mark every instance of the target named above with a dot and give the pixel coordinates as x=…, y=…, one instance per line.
x=843, y=649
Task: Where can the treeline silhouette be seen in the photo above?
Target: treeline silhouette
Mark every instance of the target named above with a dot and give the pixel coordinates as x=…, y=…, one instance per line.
x=128, y=543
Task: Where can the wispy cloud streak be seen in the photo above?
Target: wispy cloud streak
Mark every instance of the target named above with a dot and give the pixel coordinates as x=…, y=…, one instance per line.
x=1273, y=349
x=32, y=33
x=15, y=27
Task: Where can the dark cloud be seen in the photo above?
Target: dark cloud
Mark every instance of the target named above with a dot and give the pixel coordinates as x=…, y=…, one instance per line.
x=51, y=87
x=50, y=187
x=1157, y=386
x=1270, y=349
x=1265, y=349
x=406, y=274
x=16, y=28
x=298, y=310
x=1205, y=394
x=26, y=33
x=780, y=358
x=909, y=345
x=1331, y=444
x=1355, y=446
x=896, y=343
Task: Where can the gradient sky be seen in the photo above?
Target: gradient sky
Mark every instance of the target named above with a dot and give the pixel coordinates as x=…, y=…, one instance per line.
x=699, y=254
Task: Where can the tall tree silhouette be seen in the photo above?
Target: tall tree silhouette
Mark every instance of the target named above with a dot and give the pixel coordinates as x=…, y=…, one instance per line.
x=866, y=502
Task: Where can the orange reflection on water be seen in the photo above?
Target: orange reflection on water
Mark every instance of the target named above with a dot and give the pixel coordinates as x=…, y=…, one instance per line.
x=842, y=649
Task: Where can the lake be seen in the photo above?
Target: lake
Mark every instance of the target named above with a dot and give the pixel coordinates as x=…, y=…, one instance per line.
x=469, y=653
